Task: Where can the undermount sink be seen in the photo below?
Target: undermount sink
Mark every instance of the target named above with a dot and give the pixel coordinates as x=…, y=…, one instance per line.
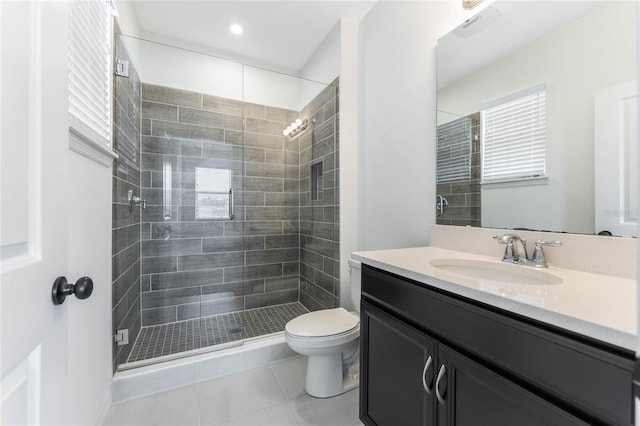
x=496, y=271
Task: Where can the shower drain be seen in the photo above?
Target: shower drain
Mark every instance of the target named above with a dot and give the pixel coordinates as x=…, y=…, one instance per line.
x=235, y=330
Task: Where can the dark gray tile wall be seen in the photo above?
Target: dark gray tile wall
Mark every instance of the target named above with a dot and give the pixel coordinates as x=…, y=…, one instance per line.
x=126, y=263
x=464, y=196
x=319, y=209
x=192, y=268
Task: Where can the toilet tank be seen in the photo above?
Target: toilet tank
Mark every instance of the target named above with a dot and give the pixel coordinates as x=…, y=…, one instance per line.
x=355, y=270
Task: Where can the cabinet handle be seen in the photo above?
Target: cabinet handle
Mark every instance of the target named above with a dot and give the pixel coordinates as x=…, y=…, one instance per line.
x=424, y=375
x=441, y=374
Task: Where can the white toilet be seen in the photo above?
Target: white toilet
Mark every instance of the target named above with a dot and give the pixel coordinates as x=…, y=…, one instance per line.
x=329, y=338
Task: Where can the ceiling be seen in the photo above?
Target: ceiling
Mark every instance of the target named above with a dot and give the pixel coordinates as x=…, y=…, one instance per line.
x=282, y=34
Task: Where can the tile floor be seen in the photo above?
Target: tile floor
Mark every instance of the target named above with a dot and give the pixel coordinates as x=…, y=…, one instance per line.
x=266, y=396
x=165, y=339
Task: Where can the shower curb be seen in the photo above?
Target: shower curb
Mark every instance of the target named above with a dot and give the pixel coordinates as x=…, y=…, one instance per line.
x=151, y=379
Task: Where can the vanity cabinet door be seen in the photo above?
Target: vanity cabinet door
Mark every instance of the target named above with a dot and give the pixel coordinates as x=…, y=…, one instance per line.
x=469, y=394
x=397, y=372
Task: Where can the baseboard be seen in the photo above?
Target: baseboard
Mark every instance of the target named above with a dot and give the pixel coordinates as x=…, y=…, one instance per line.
x=103, y=412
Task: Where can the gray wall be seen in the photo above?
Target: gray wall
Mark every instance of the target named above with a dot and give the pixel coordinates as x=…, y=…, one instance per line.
x=192, y=268
x=196, y=268
x=126, y=221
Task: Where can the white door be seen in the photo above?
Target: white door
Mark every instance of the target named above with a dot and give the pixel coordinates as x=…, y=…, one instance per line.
x=616, y=159
x=33, y=233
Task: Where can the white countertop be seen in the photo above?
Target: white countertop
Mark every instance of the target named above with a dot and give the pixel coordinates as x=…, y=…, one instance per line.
x=599, y=306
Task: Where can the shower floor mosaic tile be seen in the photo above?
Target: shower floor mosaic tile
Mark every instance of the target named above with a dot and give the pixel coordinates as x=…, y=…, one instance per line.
x=166, y=339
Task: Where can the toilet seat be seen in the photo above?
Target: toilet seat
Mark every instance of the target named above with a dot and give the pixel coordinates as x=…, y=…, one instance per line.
x=323, y=323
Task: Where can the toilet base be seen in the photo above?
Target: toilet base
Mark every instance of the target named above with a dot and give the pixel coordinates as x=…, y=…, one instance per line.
x=325, y=377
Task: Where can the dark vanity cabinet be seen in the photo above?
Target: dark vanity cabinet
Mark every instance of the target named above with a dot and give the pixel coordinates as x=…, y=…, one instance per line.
x=400, y=367
x=433, y=358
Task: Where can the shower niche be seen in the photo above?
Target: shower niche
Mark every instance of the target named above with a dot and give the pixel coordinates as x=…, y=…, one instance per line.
x=316, y=181
x=239, y=232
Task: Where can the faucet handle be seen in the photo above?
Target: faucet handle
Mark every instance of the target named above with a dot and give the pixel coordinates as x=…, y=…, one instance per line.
x=538, y=259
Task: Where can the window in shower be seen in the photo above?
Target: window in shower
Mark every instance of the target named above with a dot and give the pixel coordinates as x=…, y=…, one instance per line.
x=214, y=195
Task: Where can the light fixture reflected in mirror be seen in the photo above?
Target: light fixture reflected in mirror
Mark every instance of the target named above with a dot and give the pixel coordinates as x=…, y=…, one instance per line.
x=470, y=4
x=295, y=127
x=479, y=22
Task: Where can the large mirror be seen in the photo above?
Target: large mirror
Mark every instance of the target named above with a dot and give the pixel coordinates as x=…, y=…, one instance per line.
x=537, y=118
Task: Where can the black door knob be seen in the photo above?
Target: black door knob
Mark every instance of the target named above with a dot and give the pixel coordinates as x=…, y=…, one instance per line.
x=61, y=289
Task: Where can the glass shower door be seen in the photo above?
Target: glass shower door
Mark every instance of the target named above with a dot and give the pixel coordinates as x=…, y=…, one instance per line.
x=188, y=283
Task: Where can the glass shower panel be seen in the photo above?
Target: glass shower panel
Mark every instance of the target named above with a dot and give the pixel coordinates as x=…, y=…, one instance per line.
x=319, y=202
x=239, y=169
x=291, y=259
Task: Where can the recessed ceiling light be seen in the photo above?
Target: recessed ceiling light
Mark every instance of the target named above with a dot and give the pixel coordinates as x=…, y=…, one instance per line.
x=236, y=29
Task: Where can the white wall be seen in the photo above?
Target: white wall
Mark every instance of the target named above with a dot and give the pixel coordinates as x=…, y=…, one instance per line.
x=636, y=385
x=571, y=62
x=397, y=120
x=89, y=249
x=324, y=64
x=348, y=156
x=190, y=70
x=638, y=257
x=128, y=18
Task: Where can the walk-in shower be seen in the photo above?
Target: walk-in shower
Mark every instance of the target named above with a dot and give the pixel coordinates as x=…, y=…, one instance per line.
x=224, y=228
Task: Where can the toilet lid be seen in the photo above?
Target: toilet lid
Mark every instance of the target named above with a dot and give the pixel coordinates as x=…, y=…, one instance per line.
x=326, y=322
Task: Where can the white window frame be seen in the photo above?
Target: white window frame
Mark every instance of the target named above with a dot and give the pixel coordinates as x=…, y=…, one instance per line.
x=501, y=165
x=90, y=80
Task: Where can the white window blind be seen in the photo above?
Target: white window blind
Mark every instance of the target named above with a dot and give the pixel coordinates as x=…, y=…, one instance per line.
x=453, y=152
x=213, y=193
x=90, y=70
x=513, y=137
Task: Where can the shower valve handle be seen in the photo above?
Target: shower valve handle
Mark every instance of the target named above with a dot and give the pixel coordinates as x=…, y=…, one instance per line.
x=135, y=200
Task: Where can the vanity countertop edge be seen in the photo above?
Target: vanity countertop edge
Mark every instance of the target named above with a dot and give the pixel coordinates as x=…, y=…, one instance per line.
x=601, y=307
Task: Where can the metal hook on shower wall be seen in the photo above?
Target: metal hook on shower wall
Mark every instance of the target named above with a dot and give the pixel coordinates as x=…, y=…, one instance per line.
x=135, y=201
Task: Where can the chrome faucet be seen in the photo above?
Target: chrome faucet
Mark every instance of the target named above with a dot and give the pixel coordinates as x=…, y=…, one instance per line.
x=516, y=250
